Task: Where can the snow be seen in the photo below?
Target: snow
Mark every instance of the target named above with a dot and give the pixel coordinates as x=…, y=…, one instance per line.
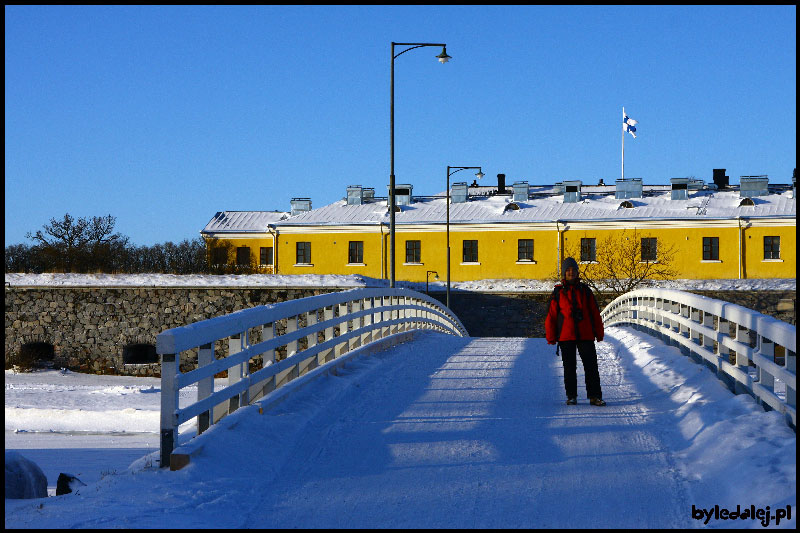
x=441, y=432
x=356, y=281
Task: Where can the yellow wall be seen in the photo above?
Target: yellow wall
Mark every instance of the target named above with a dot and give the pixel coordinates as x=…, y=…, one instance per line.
x=329, y=252
x=686, y=243
x=756, y=266
x=497, y=249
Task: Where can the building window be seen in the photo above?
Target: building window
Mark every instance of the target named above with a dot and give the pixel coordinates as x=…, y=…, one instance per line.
x=772, y=247
x=266, y=256
x=413, y=252
x=710, y=248
x=243, y=256
x=219, y=256
x=303, y=253
x=649, y=249
x=525, y=250
x=588, y=250
x=355, y=252
x=470, y=251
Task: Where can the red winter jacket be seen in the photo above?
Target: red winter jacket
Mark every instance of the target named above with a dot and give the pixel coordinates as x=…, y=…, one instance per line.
x=579, y=296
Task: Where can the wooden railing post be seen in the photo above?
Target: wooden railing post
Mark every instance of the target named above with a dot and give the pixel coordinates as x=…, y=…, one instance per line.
x=235, y=373
x=205, y=387
x=169, y=404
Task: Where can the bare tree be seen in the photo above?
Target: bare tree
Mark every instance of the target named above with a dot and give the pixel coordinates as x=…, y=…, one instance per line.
x=624, y=261
x=63, y=240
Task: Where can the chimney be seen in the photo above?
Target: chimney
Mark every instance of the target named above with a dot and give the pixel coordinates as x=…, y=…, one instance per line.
x=300, y=205
x=403, y=194
x=720, y=179
x=459, y=194
x=355, y=195
x=628, y=188
x=572, y=191
x=680, y=188
x=521, y=190
x=501, y=183
x=752, y=186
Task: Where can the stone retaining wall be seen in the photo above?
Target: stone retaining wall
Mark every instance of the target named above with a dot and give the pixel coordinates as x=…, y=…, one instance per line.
x=90, y=327
x=522, y=314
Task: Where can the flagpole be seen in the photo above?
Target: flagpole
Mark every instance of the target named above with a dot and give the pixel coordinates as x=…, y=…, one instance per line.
x=623, y=145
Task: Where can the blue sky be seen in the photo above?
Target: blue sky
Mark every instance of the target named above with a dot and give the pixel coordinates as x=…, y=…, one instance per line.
x=162, y=116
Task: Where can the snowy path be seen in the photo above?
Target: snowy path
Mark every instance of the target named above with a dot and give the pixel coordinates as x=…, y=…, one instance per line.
x=453, y=432
x=477, y=438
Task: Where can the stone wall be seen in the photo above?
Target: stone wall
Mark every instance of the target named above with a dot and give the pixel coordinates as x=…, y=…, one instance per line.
x=522, y=314
x=89, y=328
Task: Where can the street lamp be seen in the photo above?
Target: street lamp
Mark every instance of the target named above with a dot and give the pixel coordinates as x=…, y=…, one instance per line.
x=450, y=172
x=443, y=58
x=428, y=277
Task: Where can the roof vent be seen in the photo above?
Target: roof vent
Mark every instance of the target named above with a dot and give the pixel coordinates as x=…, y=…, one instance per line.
x=695, y=184
x=680, y=188
x=572, y=192
x=521, y=190
x=747, y=202
x=300, y=205
x=626, y=205
x=750, y=186
x=459, y=193
x=628, y=188
x=512, y=206
x=402, y=194
x=367, y=193
x=558, y=187
x=355, y=195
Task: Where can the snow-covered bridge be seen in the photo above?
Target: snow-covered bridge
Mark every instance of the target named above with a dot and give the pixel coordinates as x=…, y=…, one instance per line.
x=443, y=430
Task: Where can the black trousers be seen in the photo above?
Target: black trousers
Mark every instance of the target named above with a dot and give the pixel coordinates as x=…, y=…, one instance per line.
x=589, y=359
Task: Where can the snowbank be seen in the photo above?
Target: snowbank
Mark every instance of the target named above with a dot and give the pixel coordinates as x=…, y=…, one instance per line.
x=356, y=281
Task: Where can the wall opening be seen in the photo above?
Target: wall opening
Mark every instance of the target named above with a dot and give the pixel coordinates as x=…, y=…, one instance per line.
x=35, y=355
x=139, y=354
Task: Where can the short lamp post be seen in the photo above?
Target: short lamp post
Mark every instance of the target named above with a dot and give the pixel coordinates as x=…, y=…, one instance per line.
x=428, y=277
x=443, y=58
x=450, y=172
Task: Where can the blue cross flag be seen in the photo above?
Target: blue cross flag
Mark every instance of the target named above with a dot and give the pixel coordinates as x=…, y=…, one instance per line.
x=628, y=124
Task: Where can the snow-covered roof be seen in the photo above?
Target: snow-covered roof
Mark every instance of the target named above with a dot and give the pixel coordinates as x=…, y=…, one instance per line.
x=243, y=221
x=597, y=203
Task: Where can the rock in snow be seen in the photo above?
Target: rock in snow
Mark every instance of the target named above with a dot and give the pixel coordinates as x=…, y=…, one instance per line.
x=67, y=483
x=24, y=478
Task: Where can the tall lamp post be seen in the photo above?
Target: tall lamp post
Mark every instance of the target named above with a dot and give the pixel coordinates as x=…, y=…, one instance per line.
x=443, y=58
x=450, y=172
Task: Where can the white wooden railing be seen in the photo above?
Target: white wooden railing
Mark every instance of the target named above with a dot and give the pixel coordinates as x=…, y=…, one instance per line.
x=315, y=332
x=750, y=352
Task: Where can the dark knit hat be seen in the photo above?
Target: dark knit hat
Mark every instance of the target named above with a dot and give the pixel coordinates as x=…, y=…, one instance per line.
x=569, y=262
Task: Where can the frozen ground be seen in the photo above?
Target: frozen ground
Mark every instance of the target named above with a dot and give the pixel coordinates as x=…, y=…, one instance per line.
x=442, y=432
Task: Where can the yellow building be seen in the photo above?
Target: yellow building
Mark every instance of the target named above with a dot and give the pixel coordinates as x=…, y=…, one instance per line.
x=523, y=231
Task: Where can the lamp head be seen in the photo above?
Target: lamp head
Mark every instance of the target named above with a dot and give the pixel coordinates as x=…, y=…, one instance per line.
x=479, y=175
x=443, y=57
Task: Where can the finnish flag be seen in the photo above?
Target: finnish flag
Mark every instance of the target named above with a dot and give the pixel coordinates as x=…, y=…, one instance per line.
x=628, y=124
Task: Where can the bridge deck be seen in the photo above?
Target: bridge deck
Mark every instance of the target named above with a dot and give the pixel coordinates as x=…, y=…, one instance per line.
x=475, y=433
x=466, y=432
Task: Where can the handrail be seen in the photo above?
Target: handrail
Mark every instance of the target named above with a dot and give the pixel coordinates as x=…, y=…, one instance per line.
x=745, y=360
x=310, y=340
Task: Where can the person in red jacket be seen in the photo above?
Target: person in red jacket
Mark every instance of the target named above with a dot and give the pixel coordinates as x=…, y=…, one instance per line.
x=573, y=321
